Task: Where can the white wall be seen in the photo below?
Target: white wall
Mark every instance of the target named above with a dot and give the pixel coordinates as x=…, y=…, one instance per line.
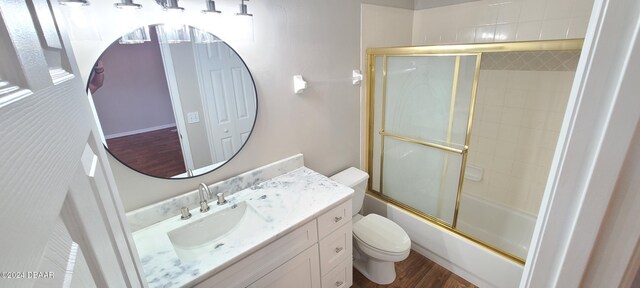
x=317, y=39
x=385, y=26
x=501, y=21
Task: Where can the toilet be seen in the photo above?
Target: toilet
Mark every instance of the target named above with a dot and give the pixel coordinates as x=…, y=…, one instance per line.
x=378, y=242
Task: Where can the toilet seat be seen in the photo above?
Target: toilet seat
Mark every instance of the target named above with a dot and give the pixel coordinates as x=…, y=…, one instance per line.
x=379, y=255
x=382, y=236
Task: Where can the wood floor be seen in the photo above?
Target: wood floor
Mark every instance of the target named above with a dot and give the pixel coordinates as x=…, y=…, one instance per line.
x=157, y=153
x=416, y=271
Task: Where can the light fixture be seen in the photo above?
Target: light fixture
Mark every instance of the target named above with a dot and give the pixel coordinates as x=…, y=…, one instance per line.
x=243, y=9
x=211, y=7
x=127, y=4
x=172, y=5
x=73, y=2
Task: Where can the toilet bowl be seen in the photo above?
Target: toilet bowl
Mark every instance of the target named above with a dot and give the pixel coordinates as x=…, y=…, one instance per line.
x=378, y=242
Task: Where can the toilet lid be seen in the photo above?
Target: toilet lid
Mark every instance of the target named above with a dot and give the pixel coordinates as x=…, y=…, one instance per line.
x=382, y=234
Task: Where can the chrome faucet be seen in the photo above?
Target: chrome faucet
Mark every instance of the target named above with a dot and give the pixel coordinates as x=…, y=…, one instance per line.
x=203, y=191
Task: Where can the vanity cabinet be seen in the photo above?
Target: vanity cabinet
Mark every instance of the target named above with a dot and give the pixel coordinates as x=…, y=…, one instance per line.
x=336, y=258
x=302, y=272
x=336, y=247
x=316, y=255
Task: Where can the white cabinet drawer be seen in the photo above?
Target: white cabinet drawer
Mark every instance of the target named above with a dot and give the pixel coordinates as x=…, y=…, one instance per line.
x=335, y=248
x=340, y=277
x=333, y=219
x=301, y=272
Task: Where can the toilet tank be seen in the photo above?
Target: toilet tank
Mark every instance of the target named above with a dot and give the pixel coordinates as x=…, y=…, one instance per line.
x=357, y=180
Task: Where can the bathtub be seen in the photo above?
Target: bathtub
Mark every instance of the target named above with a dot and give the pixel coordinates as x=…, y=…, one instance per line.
x=504, y=228
x=471, y=261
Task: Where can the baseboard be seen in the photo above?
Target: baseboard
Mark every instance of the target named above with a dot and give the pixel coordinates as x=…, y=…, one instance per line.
x=134, y=132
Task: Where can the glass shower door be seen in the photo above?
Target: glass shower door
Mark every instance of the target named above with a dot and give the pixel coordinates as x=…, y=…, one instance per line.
x=421, y=119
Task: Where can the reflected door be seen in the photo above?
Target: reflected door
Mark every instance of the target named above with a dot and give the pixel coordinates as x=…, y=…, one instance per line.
x=230, y=112
x=421, y=116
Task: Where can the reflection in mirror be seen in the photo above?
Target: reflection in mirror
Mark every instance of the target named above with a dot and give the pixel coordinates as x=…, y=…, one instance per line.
x=170, y=99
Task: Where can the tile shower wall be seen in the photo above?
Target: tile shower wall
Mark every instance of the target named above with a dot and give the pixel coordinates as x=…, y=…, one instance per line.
x=517, y=121
x=502, y=21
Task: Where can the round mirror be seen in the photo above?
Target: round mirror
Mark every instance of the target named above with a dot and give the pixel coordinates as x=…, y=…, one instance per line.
x=172, y=101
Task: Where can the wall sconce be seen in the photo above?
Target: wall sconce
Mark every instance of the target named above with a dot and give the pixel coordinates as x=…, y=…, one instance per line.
x=74, y=2
x=127, y=4
x=243, y=9
x=211, y=7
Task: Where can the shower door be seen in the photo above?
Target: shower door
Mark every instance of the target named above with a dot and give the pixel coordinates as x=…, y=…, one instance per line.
x=486, y=183
x=420, y=124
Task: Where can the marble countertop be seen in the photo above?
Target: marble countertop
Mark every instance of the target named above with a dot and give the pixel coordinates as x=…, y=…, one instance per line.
x=285, y=202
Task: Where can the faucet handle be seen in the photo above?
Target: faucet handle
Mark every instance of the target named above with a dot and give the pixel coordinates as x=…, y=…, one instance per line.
x=184, y=213
x=204, y=206
x=221, y=199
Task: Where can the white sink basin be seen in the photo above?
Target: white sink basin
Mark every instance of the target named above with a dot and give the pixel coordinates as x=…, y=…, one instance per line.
x=212, y=231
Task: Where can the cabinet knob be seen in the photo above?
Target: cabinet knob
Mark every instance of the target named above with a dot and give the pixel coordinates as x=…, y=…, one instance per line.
x=339, y=283
x=338, y=249
x=337, y=219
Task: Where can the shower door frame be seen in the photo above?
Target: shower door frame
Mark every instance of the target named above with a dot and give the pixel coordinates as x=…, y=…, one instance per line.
x=442, y=148
x=431, y=51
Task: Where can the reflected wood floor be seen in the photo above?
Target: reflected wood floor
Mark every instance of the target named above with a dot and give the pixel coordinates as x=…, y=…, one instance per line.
x=416, y=271
x=156, y=153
